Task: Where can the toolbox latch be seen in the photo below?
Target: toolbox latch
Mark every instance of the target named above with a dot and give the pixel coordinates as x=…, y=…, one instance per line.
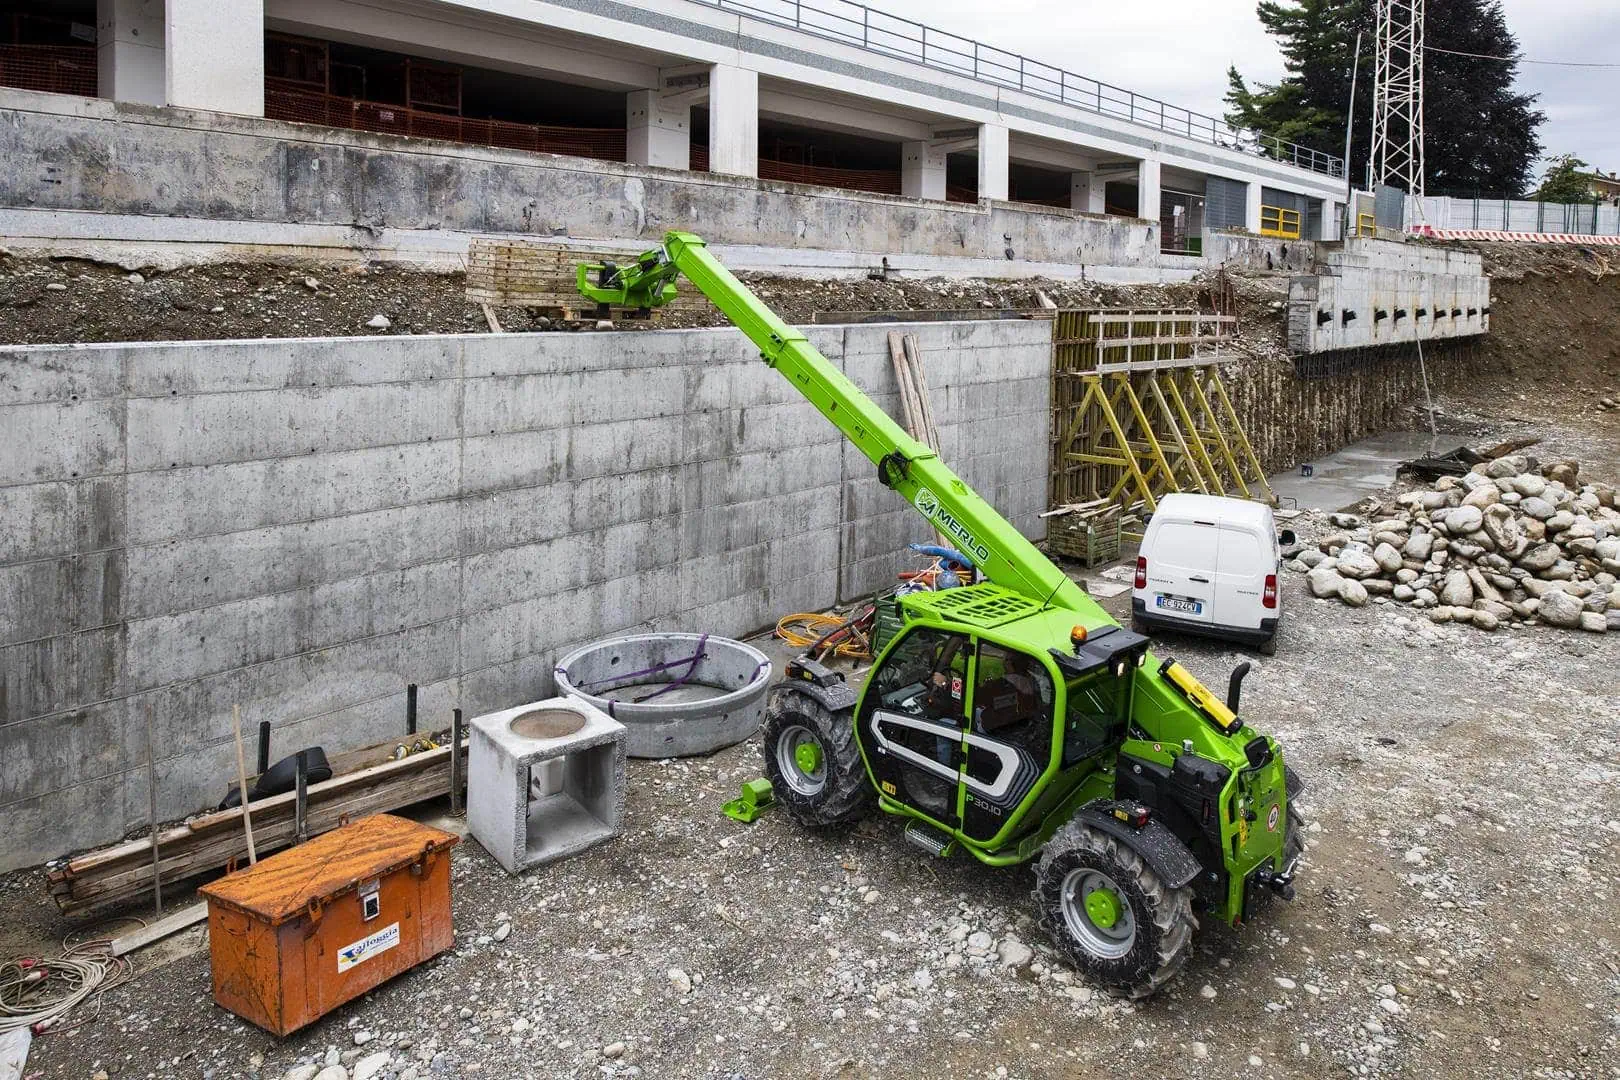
x=370, y=899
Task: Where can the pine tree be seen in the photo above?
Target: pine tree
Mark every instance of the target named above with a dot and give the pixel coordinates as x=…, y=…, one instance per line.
x=1479, y=135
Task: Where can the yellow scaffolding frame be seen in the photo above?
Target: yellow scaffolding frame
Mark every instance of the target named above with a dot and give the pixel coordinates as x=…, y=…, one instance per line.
x=1140, y=410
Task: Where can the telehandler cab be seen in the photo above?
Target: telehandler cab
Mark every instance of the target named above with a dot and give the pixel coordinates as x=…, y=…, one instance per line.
x=1013, y=719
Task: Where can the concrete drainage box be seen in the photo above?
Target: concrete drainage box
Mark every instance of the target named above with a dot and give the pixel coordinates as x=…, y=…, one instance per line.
x=676, y=694
x=544, y=781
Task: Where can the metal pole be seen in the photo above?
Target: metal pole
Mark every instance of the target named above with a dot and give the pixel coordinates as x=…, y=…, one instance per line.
x=1349, y=130
x=151, y=799
x=410, y=709
x=455, y=762
x=264, y=746
x=301, y=799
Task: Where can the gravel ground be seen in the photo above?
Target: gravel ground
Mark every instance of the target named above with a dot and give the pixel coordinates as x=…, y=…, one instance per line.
x=1458, y=912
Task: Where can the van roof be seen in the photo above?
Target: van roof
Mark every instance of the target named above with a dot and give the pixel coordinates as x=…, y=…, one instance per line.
x=1213, y=508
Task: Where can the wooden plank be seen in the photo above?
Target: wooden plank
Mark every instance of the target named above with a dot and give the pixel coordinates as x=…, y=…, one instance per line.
x=169, y=924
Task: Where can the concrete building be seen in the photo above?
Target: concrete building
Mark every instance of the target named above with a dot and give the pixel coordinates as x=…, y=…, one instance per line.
x=829, y=93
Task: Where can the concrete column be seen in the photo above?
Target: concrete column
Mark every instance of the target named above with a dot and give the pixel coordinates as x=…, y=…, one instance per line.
x=657, y=134
x=1251, y=209
x=1147, y=190
x=214, y=55
x=922, y=171
x=129, y=50
x=993, y=162
x=1086, y=193
x=733, y=120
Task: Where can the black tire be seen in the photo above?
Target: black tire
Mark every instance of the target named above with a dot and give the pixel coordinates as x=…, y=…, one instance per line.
x=1163, y=917
x=1138, y=626
x=1268, y=647
x=843, y=795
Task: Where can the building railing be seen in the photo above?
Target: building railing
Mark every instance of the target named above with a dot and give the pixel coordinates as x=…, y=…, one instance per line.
x=876, y=31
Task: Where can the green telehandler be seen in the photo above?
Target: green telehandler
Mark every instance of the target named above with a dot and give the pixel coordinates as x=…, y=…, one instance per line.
x=1013, y=719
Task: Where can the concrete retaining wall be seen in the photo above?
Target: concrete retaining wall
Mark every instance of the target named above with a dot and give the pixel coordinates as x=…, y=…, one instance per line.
x=304, y=527
x=70, y=154
x=1365, y=293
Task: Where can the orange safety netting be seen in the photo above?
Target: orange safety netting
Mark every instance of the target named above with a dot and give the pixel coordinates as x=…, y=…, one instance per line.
x=283, y=102
x=55, y=69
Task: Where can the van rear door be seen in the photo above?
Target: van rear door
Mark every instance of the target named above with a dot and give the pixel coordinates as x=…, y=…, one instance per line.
x=1181, y=571
x=1240, y=578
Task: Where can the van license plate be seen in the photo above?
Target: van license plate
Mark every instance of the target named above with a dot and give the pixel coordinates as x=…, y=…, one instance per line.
x=1173, y=603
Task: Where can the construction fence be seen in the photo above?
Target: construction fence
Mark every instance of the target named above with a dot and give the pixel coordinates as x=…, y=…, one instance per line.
x=1443, y=212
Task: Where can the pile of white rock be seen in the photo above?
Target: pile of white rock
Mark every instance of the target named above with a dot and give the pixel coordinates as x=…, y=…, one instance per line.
x=1507, y=544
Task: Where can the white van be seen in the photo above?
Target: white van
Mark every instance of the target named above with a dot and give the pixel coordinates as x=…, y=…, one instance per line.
x=1208, y=565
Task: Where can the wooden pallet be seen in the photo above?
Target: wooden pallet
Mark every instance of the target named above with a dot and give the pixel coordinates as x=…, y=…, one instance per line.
x=541, y=275
x=364, y=781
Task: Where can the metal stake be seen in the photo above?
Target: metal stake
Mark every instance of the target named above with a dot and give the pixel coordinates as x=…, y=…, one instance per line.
x=410, y=709
x=151, y=797
x=264, y=747
x=301, y=799
x=455, y=762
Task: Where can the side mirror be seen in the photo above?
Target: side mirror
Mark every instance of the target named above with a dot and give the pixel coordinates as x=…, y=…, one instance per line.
x=1287, y=537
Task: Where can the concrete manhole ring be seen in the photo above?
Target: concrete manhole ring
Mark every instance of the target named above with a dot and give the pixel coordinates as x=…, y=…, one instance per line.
x=675, y=694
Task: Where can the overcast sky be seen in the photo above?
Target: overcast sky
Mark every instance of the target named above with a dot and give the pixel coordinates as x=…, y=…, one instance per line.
x=1179, y=50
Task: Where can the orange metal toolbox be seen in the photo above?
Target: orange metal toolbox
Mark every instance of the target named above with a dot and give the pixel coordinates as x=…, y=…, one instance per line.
x=316, y=925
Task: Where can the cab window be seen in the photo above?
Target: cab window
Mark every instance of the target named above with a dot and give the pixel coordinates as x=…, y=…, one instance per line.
x=926, y=676
x=1095, y=717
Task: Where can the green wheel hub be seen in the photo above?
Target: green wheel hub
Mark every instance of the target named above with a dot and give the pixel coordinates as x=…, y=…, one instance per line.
x=807, y=756
x=1103, y=908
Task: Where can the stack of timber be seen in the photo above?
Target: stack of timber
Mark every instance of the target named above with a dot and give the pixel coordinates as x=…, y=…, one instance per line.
x=915, y=400
x=366, y=781
x=535, y=274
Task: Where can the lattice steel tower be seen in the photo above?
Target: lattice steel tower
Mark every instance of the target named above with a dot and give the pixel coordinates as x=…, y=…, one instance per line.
x=1397, y=144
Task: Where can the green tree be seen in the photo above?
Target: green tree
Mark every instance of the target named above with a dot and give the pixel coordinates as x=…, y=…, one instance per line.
x=1479, y=134
x=1563, y=182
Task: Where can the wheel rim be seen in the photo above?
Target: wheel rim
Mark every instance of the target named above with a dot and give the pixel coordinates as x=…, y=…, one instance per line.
x=800, y=756
x=1097, y=914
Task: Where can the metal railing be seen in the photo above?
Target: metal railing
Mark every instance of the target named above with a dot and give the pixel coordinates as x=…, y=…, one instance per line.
x=856, y=24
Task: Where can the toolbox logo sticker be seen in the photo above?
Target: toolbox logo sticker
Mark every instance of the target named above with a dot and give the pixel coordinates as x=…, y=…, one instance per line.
x=367, y=947
x=1271, y=818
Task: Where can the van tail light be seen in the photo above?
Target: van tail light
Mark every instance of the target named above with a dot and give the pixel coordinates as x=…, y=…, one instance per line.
x=1268, y=598
x=1141, y=575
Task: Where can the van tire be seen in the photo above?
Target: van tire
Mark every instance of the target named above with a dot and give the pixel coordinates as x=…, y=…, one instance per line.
x=1268, y=647
x=1139, y=626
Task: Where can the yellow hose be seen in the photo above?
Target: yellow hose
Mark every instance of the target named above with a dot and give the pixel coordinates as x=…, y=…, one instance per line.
x=803, y=629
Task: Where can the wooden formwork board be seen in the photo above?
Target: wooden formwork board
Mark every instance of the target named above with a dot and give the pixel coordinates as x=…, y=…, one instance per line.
x=537, y=274
x=1139, y=410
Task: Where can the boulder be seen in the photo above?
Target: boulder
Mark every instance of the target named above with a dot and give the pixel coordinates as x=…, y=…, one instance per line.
x=1561, y=520
x=1421, y=543
x=1538, y=508
x=1406, y=575
x=1503, y=612
x=1483, y=589
x=1612, y=618
x=1528, y=484
x=1324, y=582
x=1440, y=615
x=1506, y=533
x=1426, y=598
x=1378, y=586
x=1404, y=593
x=1458, y=590
x=1462, y=614
x=1310, y=557
x=1564, y=472
x=1581, y=528
x=1539, y=557
x=1483, y=496
x=1560, y=609
x=1511, y=465
x=1486, y=620
x=1353, y=592
x=1356, y=562
x=1465, y=519
x=1594, y=622
x=1387, y=558
x=1344, y=521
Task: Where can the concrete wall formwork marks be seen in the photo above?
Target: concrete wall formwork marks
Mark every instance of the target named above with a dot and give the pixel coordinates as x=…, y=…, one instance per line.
x=304, y=527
